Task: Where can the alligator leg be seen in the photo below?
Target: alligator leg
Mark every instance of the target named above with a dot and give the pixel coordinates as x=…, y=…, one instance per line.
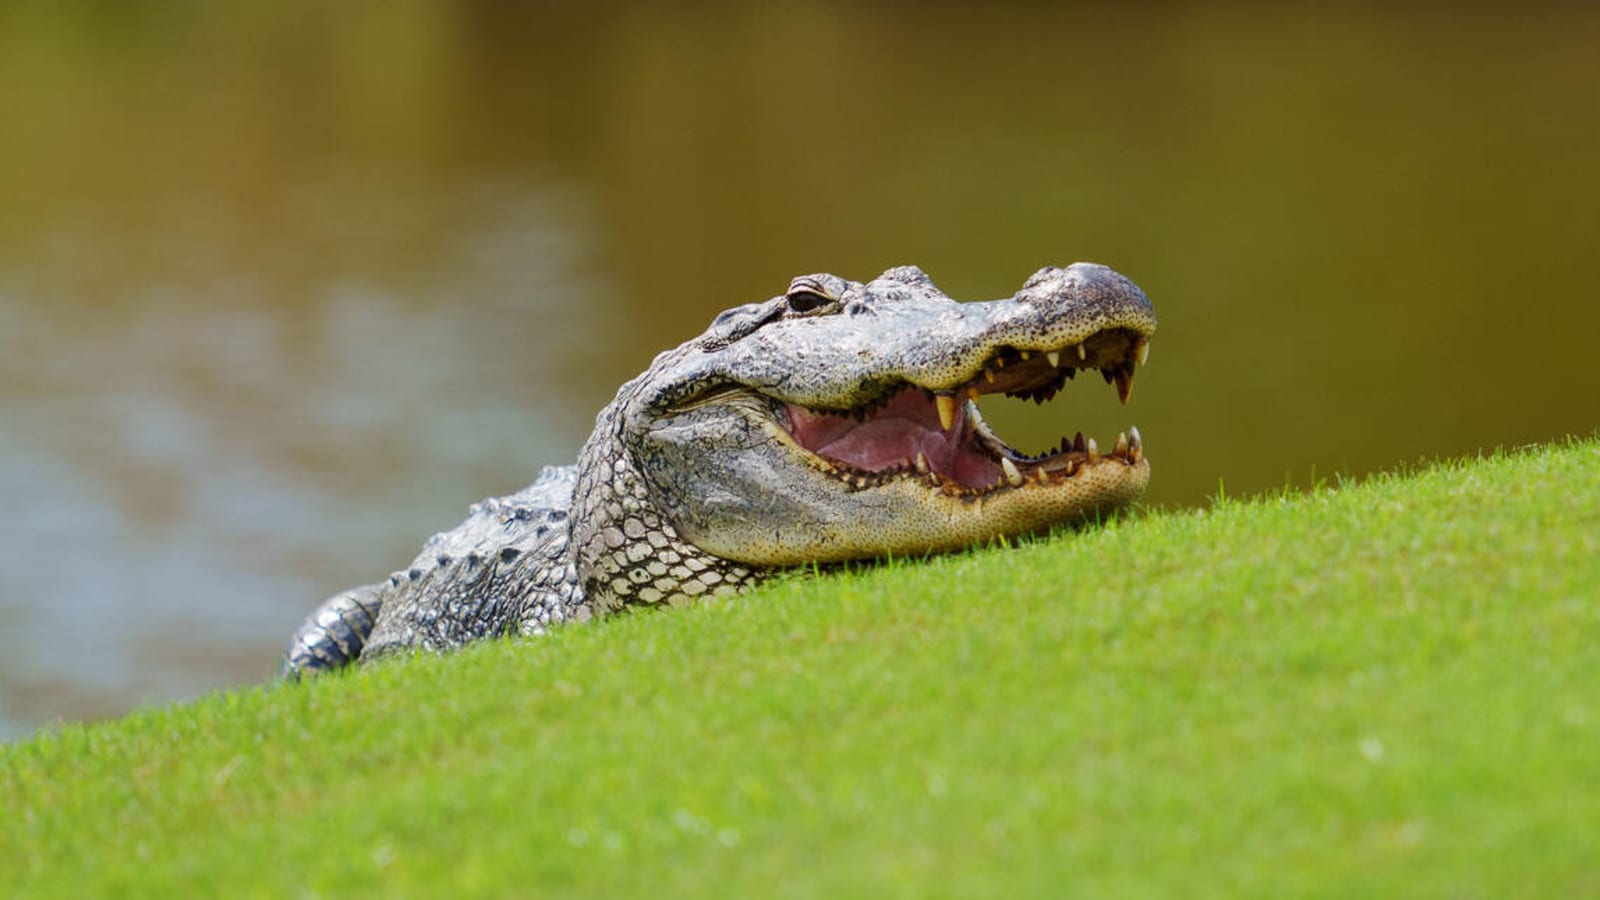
x=335, y=634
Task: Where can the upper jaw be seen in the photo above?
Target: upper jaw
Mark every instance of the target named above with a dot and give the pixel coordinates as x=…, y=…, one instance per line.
x=888, y=333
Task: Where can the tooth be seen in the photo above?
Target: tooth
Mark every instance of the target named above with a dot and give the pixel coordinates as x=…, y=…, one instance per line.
x=1022, y=355
x=922, y=463
x=1041, y=476
x=975, y=419
x=1124, y=377
x=1078, y=444
x=1013, y=475
x=988, y=376
x=947, y=409
x=1093, y=451
x=1144, y=353
x=1082, y=353
x=999, y=363
x=1055, y=358
x=1122, y=444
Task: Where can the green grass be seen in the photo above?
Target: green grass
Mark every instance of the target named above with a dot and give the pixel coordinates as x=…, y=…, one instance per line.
x=1391, y=689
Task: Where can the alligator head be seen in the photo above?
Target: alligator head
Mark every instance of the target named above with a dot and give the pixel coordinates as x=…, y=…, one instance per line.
x=840, y=420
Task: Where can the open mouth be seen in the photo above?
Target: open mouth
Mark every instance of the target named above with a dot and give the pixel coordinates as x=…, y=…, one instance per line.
x=910, y=431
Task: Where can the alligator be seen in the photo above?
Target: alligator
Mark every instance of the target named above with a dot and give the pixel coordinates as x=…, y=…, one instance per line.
x=835, y=422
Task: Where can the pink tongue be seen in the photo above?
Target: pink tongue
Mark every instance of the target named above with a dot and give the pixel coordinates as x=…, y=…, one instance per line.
x=895, y=432
x=905, y=426
x=883, y=442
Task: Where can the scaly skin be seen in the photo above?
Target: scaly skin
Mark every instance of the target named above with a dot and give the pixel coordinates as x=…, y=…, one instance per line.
x=720, y=464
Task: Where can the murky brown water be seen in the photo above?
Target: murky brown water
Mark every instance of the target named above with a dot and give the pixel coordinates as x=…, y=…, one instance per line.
x=285, y=287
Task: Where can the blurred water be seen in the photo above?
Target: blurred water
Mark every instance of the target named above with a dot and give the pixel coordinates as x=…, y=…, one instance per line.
x=194, y=469
x=284, y=287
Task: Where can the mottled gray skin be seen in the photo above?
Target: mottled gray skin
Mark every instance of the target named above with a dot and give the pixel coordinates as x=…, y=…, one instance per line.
x=691, y=485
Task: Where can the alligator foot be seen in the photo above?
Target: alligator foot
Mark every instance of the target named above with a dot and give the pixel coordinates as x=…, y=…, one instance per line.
x=335, y=634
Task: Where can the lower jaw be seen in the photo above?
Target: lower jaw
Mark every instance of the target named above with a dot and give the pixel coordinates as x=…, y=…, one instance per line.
x=905, y=518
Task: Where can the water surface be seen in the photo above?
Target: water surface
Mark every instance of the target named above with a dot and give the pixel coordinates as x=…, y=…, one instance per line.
x=285, y=287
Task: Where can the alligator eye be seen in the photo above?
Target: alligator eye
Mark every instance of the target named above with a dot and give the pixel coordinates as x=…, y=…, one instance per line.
x=807, y=301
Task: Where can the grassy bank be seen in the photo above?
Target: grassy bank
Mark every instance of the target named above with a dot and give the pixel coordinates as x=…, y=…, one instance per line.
x=1390, y=689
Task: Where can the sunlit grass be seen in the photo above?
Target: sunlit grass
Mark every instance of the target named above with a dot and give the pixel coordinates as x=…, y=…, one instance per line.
x=1388, y=689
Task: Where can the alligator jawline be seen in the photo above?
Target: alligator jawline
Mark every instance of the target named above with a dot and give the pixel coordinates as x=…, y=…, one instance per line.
x=941, y=438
